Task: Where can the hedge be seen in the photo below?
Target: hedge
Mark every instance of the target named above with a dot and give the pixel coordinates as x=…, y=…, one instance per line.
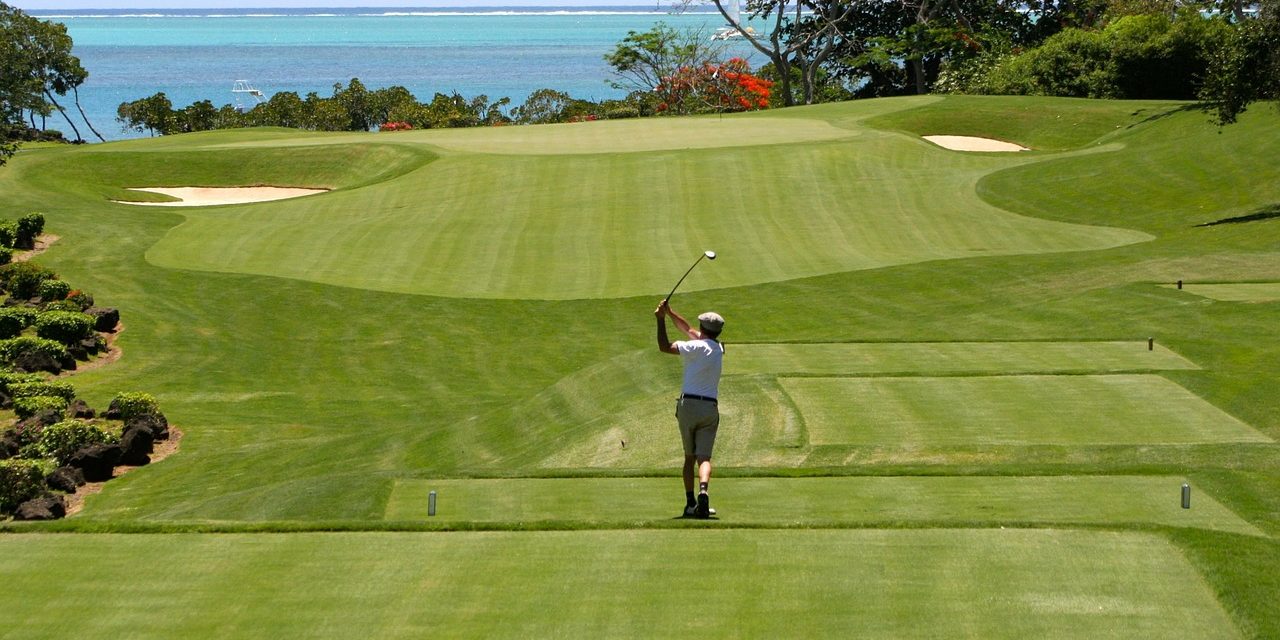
x=13, y=348
x=64, y=326
x=31, y=405
x=63, y=390
x=59, y=441
x=132, y=404
x=20, y=480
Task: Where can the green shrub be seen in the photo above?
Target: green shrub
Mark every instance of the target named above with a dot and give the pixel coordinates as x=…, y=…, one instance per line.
x=20, y=480
x=53, y=290
x=81, y=299
x=6, y=255
x=62, y=305
x=14, y=319
x=59, y=441
x=22, y=279
x=13, y=348
x=8, y=232
x=133, y=403
x=64, y=326
x=31, y=405
x=622, y=112
x=29, y=228
x=10, y=378
x=42, y=388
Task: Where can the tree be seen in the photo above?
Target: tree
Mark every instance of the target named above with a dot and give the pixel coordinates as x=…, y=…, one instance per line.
x=802, y=34
x=715, y=88
x=642, y=61
x=153, y=114
x=37, y=64
x=1247, y=69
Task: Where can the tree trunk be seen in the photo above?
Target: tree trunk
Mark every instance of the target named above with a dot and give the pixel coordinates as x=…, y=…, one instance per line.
x=64, y=114
x=76, y=92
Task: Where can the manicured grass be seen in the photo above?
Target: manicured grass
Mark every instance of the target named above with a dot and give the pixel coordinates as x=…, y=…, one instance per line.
x=532, y=226
x=1235, y=292
x=883, y=584
x=1039, y=123
x=318, y=352
x=1083, y=410
x=949, y=358
x=825, y=502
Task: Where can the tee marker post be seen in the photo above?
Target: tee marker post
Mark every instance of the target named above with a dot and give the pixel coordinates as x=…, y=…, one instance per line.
x=431, y=503
x=1186, y=496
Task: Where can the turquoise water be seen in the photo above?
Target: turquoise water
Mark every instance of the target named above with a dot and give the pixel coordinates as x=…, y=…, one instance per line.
x=195, y=55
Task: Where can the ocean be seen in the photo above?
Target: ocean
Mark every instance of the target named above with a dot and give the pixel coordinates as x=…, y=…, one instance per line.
x=199, y=54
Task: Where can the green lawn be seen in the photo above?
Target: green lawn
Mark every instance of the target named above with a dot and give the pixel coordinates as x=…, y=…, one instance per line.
x=875, y=583
x=1082, y=410
x=1236, y=292
x=821, y=501
x=923, y=346
x=951, y=358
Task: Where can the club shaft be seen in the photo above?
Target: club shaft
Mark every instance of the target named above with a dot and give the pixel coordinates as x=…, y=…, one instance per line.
x=686, y=275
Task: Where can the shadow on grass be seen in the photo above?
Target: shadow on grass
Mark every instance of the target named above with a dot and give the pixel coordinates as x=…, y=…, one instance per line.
x=1265, y=213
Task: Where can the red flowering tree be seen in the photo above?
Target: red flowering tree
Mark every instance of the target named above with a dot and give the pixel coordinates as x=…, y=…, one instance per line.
x=713, y=88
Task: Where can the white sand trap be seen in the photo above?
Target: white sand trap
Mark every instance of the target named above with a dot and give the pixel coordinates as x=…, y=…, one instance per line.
x=970, y=143
x=209, y=196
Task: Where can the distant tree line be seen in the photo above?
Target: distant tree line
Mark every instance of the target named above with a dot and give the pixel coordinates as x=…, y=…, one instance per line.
x=1225, y=53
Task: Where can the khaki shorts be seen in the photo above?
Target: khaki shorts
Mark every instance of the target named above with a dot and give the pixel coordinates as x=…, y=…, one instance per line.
x=698, y=420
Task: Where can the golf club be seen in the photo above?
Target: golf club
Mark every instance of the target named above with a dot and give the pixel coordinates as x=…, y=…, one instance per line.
x=705, y=254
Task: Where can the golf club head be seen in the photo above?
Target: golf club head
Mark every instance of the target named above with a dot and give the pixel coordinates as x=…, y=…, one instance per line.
x=711, y=255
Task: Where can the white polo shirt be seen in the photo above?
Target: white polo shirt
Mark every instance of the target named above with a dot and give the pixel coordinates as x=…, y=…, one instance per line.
x=702, y=360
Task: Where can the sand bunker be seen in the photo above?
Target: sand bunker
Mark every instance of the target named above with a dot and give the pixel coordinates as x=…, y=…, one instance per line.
x=970, y=143
x=209, y=196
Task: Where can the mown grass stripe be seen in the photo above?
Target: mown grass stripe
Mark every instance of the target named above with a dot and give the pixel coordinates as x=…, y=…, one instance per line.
x=1081, y=410
x=883, y=583
x=1098, y=500
x=953, y=358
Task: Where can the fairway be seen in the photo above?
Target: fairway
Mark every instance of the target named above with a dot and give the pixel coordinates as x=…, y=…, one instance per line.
x=939, y=358
x=885, y=584
x=1082, y=410
x=821, y=501
x=548, y=226
x=1235, y=292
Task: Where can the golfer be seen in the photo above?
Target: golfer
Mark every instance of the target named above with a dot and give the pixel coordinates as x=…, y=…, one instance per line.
x=697, y=410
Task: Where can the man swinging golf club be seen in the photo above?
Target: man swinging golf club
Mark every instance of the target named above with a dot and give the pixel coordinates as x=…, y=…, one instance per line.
x=697, y=411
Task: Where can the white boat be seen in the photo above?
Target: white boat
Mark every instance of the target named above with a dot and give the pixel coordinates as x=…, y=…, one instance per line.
x=242, y=87
x=736, y=31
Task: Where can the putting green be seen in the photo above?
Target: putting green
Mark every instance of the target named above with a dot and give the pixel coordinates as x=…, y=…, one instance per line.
x=612, y=225
x=881, y=583
x=953, y=358
x=1011, y=410
x=1235, y=292
x=604, y=136
x=822, y=501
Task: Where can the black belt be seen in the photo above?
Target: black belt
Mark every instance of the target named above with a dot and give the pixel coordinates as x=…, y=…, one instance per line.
x=690, y=396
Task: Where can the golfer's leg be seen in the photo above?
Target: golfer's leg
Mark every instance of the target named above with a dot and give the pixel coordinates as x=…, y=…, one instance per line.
x=704, y=472
x=689, y=462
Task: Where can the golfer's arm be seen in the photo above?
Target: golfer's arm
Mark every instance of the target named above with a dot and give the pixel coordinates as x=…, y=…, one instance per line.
x=683, y=326
x=664, y=343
